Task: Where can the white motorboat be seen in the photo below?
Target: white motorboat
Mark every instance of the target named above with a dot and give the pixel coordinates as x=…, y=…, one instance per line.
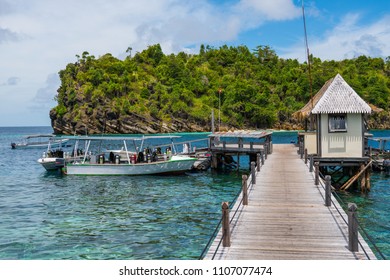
x=51, y=162
x=55, y=156
x=138, y=161
x=40, y=141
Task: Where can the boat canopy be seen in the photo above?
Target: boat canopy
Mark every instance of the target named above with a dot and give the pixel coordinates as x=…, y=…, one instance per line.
x=115, y=138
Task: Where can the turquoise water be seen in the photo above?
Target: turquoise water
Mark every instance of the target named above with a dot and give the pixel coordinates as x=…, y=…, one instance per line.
x=50, y=216
x=374, y=211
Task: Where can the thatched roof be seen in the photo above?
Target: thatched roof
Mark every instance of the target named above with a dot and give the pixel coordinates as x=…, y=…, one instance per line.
x=336, y=96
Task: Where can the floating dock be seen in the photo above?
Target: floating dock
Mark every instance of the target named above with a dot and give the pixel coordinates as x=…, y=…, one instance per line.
x=286, y=217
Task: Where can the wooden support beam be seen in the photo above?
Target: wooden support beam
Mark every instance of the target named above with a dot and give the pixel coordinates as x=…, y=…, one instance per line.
x=354, y=178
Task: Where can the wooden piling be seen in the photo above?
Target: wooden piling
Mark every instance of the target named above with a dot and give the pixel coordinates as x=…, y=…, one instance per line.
x=362, y=178
x=368, y=179
x=245, y=189
x=311, y=163
x=328, y=191
x=305, y=156
x=253, y=172
x=225, y=224
x=353, y=244
x=262, y=157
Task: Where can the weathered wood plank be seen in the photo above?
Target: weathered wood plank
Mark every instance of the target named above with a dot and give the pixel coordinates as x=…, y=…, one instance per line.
x=286, y=217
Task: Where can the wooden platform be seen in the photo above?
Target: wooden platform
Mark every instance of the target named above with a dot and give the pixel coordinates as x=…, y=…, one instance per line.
x=286, y=217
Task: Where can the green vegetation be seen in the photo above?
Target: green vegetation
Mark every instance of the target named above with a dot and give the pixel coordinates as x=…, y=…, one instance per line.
x=257, y=89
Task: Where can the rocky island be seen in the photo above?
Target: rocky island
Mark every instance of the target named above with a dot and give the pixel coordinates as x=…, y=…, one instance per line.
x=151, y=92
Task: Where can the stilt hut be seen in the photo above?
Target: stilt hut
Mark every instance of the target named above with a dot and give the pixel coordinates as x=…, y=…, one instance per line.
x=338, y=141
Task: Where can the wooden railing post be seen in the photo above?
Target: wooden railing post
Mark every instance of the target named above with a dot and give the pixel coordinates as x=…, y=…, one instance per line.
x=245, y=189
x=328, y=192
x=305, y=156
x=253, y=172
x=265, y=150
x=301, y=150
x=225, y=225
x=317, y=173
x=311, y=163
x=262, y=157
x=240, y=143
x=353, y=244
x=258, y=162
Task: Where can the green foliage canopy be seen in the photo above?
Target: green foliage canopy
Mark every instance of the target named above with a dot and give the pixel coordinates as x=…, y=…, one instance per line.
x=254, y=89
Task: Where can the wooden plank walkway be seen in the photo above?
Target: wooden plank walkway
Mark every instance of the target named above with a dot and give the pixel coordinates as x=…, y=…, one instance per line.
x=286, y=217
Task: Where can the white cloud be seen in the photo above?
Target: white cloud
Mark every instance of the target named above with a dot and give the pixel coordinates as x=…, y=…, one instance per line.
x=347, y=40
x=11, y=81
x=44, y=96
x=7, y=35
x=271, y=9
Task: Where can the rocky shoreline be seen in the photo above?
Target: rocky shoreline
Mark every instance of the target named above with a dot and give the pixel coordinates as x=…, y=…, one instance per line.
x=111, y=123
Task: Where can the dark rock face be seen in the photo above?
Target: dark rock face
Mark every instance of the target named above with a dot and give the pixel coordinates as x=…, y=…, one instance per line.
x=112, y=123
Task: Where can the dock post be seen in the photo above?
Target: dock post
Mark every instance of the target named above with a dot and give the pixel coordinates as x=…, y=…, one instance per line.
x=258, y=162
x=353, y=245
x=214, y=160
x=368, y=179
x=262, y=157
x=225, y=225
x=265, y=150
x=245, y=189
x=253, y=172
x=301, y=150
x=311, y=163
x=317, y=173
x=363, y=178
x=328, y=192
x=305, y=156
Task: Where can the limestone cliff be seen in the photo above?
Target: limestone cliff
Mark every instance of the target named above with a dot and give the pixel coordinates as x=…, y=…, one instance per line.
x=101, y=121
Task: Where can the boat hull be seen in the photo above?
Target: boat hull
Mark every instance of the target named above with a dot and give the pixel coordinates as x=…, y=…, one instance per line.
x=51, y=164
x=173, y=166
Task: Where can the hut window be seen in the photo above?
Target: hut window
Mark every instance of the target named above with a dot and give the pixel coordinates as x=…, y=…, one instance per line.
x=338, y=123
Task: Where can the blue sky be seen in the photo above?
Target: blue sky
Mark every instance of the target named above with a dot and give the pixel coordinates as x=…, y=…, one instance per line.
x=38, y=38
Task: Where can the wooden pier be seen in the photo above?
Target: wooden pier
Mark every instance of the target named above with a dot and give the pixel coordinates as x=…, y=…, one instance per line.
x=224, y=145
x=286, y=217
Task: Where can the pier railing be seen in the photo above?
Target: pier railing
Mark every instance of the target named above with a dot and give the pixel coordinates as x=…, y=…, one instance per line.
x=227, y=208
x=354, y=227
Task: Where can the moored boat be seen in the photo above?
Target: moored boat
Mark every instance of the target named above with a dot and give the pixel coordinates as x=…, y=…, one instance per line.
x=52, y=161
x=40, y=141
x=138, y=161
